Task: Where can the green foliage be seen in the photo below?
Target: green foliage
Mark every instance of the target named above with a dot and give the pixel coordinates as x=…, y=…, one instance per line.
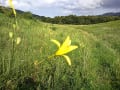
x=27, y=15
x=77, y=20
x=6, y=11
x=96, y=66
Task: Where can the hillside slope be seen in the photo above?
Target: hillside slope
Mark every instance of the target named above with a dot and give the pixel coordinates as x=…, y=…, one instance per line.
x=95, y=64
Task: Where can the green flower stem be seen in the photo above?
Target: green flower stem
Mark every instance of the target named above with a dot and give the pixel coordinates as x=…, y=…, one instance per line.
x=51, y=56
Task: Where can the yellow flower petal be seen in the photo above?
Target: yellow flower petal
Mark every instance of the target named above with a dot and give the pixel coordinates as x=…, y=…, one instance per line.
x=56, y=42
x=67, y=59
x=62, y=51
x=67, y=42
x=70, y=48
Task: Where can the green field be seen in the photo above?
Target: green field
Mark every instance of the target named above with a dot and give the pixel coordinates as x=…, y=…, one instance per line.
x=95, y=63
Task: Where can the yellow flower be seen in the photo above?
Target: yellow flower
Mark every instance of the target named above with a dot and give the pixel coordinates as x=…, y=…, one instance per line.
x=12, y=6
x=64, y=48
x=10, y=34
x=18, y=40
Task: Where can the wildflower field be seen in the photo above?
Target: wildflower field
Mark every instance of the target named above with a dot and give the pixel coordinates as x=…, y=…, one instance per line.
x=87, y=57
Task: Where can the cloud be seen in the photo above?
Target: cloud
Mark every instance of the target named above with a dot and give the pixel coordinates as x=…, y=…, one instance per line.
x=29, y=4
x=66, y=6
x=81, y=4
x=58, y=3
x=111, y=4
x=91, y=7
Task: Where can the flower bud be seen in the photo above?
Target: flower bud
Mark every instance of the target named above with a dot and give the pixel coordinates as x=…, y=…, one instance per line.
x=18, y=40
x=10, y=34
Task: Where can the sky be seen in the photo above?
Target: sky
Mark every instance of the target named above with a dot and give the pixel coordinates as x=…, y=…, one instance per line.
x=51, y=8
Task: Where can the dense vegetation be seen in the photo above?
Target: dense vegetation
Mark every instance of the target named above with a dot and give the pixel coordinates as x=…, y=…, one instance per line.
x=71, y=19
x=95, y=64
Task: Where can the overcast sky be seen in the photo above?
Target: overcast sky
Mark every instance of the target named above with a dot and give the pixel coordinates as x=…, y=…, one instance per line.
x=53, y=8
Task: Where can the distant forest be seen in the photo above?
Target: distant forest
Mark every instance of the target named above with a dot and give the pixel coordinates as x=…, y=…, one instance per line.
x=71, y=19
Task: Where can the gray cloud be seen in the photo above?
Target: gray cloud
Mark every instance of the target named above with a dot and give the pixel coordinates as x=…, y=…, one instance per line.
x=92, y=7
x=111, y=4
x=91, y=4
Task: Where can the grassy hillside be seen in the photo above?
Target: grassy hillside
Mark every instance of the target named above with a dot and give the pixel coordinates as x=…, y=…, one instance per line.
x=95, y=64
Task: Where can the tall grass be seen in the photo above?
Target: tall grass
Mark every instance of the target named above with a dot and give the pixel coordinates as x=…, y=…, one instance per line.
x=95, y=64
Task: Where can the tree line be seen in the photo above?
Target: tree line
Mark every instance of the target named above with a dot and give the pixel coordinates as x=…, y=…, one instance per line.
x=78, y=20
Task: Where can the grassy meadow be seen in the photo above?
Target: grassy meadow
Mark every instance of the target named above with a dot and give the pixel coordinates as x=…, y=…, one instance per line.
x=95, y=63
